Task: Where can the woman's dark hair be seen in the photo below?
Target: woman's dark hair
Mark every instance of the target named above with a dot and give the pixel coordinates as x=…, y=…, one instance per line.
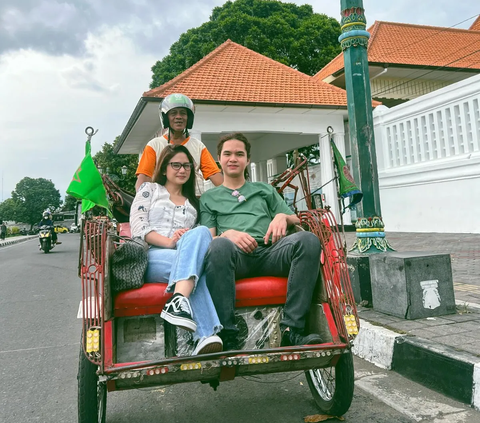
x=239, y=137
x=159, y=175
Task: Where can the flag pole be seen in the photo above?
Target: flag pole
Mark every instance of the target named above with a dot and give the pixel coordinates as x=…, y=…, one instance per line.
x=90, y=132
x=337, y=184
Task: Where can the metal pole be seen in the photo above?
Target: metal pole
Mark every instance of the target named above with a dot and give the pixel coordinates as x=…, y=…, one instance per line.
x=354, y=42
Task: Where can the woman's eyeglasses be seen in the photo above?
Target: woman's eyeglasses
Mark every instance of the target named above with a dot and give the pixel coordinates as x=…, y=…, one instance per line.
x=178, y=165
x=239, y=196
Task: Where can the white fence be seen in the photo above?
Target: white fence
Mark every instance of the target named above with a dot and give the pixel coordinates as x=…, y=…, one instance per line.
x=428, y=153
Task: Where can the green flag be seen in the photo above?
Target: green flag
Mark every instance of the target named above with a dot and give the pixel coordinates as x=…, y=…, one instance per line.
x=346, y=183
x=87, y=184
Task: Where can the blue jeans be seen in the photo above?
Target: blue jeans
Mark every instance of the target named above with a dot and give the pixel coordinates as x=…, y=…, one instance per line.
x=185, y=262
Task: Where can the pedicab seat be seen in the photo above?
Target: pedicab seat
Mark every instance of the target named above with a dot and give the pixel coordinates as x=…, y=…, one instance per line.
x=151, y=297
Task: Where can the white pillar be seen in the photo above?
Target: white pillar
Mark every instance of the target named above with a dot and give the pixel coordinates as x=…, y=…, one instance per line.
x=261, y=170
x=271, y=169
x=327, y=174
x=253, y=172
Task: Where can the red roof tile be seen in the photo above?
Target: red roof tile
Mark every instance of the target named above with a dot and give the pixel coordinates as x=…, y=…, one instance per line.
x=233, y=73
x=420, y=45
x=476, y=25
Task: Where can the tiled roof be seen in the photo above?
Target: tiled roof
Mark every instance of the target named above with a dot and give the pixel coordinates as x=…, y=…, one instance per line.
x=233, y=73
x=476, y=25
x=420, y=45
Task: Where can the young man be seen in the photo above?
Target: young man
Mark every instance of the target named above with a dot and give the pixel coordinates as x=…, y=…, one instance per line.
x=249, y=224
x=176, y=114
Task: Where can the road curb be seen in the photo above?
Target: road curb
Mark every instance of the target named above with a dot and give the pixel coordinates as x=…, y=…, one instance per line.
x=16, y=240
x=439, y=367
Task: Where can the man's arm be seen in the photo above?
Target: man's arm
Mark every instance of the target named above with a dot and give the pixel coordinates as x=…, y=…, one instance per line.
x=283, y=218
x=217, y=179
x=146, y=166
x=141, y=178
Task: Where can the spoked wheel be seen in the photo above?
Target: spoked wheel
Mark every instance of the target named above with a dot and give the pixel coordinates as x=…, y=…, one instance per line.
x=92, y=394
x=332, y=387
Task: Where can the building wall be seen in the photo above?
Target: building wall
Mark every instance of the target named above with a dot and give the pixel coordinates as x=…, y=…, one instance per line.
x=428, y=153
x=404, y=88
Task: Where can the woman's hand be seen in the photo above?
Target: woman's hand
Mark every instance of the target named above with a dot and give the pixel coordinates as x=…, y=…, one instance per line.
x=176, y=236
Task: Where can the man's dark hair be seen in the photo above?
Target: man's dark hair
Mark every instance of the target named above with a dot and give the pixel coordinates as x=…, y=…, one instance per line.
x=159, y=175
x=239, y=137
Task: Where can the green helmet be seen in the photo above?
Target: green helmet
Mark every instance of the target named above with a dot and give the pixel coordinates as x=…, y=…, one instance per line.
x=173, y=101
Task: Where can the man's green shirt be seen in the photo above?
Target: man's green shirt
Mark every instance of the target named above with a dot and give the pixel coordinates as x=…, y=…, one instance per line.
x=222, y=210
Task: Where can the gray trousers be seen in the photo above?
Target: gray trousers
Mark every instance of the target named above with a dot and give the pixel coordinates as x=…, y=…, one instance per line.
x=296, y=256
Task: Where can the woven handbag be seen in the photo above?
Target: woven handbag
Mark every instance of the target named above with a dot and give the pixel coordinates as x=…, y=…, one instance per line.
x=129, y=263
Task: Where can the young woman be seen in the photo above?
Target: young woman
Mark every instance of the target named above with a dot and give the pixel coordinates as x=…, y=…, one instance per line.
x=164, y=214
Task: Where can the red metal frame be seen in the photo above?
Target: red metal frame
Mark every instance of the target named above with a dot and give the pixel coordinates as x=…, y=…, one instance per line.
x=334, y=267
x=92, y=275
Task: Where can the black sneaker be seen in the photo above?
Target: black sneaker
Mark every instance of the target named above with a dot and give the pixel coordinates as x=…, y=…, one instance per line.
x=230, y=340
x=178, y=312
x=292, y=337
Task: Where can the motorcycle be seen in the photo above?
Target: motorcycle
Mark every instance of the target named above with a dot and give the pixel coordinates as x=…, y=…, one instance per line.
x=46, y=238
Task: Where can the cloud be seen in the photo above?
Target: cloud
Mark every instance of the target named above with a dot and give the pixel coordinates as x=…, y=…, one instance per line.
x=49, y=100
x=60, y=27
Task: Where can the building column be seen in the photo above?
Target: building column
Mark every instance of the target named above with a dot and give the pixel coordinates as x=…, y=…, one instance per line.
x=261, y=171
x=276, y=166
x=354, y=43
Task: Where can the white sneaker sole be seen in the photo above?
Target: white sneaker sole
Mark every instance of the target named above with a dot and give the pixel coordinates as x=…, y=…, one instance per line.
x=209, y=345
x=181, y=322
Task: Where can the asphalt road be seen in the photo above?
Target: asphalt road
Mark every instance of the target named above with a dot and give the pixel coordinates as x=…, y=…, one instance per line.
x=39, y=347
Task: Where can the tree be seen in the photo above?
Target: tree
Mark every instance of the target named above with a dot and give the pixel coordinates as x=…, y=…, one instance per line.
x=311, y=152
x=8, y=209
x=112, y=164
x=290, y=34
x=32, y=197
x=70, y=203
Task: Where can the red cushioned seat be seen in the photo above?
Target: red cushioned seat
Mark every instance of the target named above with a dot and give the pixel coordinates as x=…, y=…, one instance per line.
x=151, y=297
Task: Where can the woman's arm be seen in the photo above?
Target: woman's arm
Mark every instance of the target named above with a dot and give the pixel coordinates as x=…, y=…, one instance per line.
x=154, y=238
x=139, y=222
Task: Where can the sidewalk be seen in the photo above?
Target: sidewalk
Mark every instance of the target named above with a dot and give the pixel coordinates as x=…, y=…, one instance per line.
x=16, y=239
x=442, y=353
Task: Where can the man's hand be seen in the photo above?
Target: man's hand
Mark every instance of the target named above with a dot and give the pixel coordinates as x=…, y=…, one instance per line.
x=277, y=228
x=241, y=239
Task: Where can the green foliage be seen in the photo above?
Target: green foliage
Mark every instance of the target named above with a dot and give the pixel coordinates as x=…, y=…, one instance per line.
x=290, y=34
x=8, y=210
x=112, y=164
x=32, y=197
x=70, y=203
x=311, y=152
x=14, y=230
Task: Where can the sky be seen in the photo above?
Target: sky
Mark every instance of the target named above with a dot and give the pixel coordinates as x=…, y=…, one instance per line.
x=66, y=65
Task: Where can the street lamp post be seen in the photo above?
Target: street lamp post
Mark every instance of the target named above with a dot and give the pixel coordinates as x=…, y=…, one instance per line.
x=354, y=43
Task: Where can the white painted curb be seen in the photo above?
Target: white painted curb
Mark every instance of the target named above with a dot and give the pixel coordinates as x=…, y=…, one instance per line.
x=375, y=344
x=476, y=387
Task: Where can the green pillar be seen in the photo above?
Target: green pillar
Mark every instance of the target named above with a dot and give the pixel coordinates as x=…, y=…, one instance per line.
x=354, y=42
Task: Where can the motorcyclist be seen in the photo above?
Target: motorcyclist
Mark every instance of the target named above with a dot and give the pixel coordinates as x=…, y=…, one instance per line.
x=47, y=221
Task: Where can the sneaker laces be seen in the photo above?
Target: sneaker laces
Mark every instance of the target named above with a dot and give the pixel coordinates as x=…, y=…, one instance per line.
x=181, y=303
